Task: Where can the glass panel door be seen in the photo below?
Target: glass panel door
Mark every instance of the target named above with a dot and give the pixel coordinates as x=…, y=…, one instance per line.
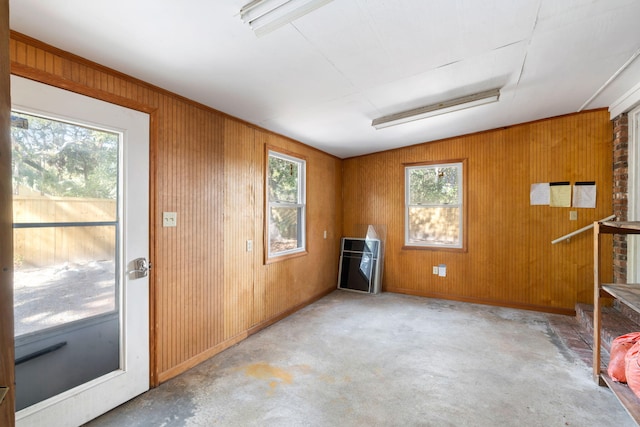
x=81, y=205
x=65, y=186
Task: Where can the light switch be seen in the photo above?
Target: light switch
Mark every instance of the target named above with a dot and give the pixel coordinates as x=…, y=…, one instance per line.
x=325, y=234
x=573, y=215
x=169, y=219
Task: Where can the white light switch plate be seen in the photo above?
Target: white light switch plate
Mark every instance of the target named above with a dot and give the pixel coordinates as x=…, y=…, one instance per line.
x=442, y=270
x=169, y=219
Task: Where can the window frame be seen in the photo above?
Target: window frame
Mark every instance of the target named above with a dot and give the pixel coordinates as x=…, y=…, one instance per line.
x=461, y=246
x=301, y=161
x=114, y=222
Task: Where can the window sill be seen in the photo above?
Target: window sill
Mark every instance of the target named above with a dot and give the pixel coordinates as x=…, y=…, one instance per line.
x=433, y=248
x=285, y=257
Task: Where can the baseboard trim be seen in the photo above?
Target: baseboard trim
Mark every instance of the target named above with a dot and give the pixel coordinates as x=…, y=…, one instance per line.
x=265, y=324
x=219, y=348
x=530, y=307
x=198, y=359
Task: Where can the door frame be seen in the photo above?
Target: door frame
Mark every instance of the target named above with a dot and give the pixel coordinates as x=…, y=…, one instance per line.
x=7, y=406
x=62, y=83
x=83, y=402
x=633, y=207
x=7, y=409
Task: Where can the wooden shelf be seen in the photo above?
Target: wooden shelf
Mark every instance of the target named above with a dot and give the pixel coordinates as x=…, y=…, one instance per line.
x=620, y=227
x=625, y=396
x=628, y=294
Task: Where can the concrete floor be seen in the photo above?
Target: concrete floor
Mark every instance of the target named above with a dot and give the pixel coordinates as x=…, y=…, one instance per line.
x=386, y=360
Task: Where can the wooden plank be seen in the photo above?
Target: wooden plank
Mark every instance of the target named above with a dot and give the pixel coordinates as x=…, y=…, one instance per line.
x=613, y=227
x=7, y=403
x=239, y=227
x=625, y=396
x=509, y=256
x=597, y=306
x=628, y=294
x=290, y=282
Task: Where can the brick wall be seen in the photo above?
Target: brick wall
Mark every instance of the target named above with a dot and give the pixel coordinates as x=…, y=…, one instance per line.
x=620, y=192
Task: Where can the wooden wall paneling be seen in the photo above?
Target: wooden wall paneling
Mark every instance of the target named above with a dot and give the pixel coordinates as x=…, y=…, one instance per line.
x=287, y=285
x=542, y=139
x=259, y=314
x=558, y=170
x=389, y=212
x=197, y=310
x=153, y=233
x=165, y=275
x=277, y=276
x=511, y=207
x=192, y=308
x=188, y=271
x=510, y=259
x=264, y=289
x=579, y=150
x=324, y=212
x=195, y=303
x=7, y=405
x=239, y=227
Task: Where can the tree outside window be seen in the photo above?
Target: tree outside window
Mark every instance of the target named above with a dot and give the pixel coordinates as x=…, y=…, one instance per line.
x=434, y=205
x=286, y=204
x=55, y=158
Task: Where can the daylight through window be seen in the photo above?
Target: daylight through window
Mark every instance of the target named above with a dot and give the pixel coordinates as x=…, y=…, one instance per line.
x=286, y=204
x=65, y=204
x=434, y=205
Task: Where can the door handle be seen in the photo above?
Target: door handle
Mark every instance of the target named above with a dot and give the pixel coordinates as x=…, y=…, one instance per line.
x=139, y=268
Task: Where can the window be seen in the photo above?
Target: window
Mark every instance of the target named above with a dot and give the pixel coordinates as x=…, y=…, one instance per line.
x=286, y=205
x=434, y=208
x=65, y=209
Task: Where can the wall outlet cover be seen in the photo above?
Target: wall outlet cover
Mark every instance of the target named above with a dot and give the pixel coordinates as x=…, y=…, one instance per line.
x=169, y=219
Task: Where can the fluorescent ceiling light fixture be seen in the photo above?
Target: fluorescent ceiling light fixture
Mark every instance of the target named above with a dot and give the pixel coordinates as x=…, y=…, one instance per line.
x=444, y=107
x=264, y=16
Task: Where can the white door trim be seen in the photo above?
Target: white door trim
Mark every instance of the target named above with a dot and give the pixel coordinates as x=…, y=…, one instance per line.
x=633, y=206
x=87, y=401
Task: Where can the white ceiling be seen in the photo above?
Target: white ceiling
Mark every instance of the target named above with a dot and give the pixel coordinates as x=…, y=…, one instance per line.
x=323, y=78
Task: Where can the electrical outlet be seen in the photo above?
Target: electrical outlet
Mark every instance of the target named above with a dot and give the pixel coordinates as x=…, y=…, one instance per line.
x=435, y=269
x=169, y=219
x=442, y=270
x=573, y=215
x=249, y=245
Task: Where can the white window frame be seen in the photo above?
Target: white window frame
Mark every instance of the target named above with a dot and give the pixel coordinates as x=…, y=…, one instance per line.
x=301, y=205
x=460, y=204
x=633, y=212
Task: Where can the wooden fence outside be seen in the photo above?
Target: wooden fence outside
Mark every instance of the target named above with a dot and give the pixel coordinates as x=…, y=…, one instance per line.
x=47, y=246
